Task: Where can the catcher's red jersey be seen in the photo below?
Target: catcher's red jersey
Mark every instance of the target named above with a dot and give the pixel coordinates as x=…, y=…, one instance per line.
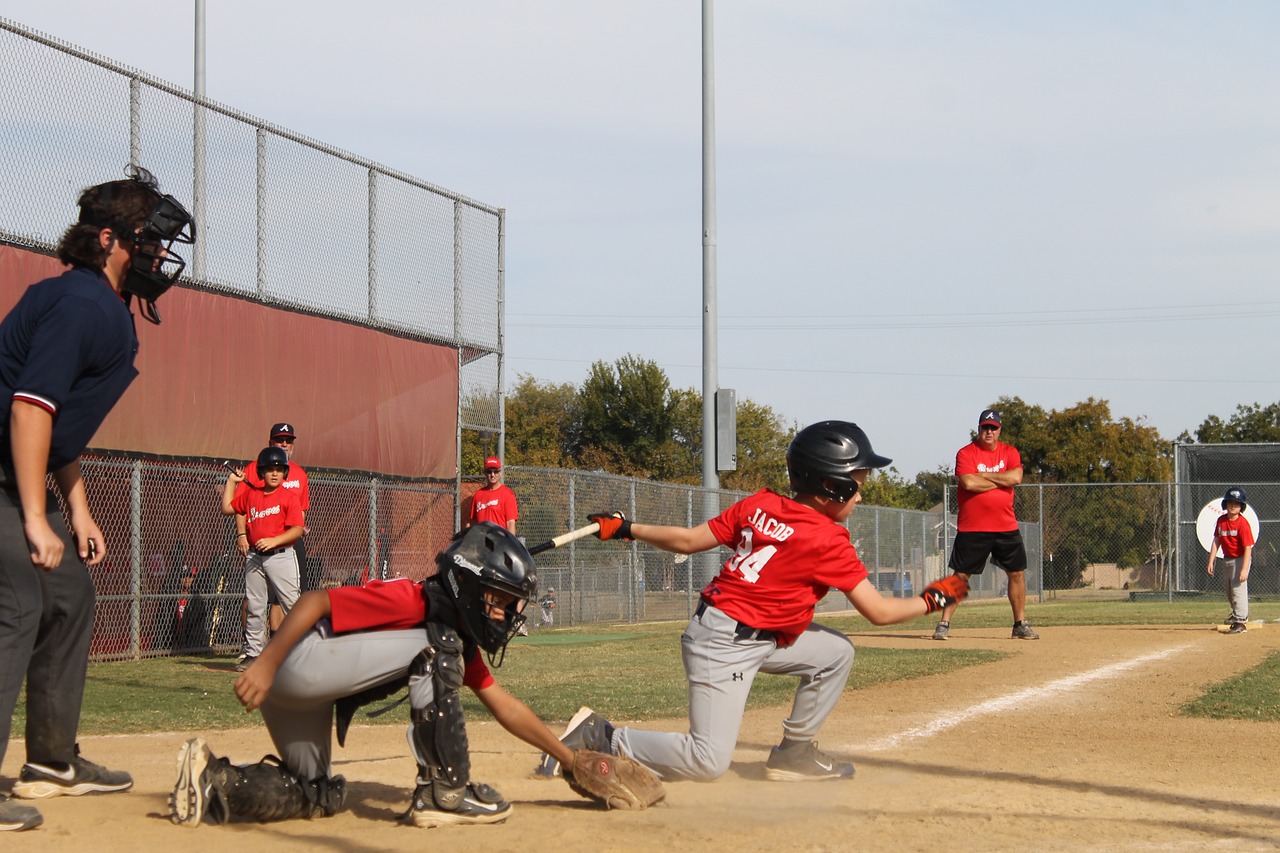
x=787, y=556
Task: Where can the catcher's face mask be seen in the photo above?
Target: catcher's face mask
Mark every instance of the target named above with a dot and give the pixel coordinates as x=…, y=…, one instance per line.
x=156, y=266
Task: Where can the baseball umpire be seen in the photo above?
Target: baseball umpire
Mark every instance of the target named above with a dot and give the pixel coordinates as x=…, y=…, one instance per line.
x=67, y=354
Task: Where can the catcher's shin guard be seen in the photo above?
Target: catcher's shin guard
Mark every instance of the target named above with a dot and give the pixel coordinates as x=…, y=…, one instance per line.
x=438, y=736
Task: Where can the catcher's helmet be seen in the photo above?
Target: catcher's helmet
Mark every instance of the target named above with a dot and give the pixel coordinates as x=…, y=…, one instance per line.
x=488, y=556
x=822, y=458
x=1235, y=493
x=272, y=457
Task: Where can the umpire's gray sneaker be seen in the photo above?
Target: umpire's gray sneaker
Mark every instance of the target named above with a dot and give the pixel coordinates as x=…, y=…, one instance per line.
x=15, y=817
x=41, y=781
x=804, y=762
x=587, y=730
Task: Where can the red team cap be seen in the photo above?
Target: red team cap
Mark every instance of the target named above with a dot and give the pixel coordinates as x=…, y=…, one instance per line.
x=283, y=429
x=492, y=462
x=989, y=416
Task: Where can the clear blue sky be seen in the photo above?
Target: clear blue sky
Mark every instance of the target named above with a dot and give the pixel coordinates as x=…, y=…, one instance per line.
x=922, y=205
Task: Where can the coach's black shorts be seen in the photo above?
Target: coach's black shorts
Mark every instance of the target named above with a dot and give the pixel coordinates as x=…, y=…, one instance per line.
x=970, y=551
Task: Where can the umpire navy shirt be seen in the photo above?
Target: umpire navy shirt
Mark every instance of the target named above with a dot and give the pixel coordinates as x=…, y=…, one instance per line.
x=68, y=346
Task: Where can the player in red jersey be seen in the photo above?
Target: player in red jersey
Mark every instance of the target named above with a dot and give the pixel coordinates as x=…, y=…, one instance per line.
x=494, y=501
x=756, y=615
x=1233, y=534
x=987, y=470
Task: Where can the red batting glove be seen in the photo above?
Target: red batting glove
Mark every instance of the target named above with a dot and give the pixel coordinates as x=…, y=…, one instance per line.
x=613, y=525
x=943, y=593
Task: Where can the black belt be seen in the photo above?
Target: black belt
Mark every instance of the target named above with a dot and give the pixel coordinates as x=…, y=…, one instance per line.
x=272, y=552
x=741, y=631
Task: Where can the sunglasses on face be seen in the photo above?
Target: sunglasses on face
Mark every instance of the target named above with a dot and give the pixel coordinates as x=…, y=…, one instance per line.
x=988, y=428
x=282, y=439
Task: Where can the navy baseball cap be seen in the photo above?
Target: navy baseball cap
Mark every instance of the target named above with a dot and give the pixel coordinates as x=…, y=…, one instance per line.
x=283, y=429
x=989, y=416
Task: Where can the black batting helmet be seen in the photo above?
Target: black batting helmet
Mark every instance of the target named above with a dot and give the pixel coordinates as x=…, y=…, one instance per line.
x=272, y=457
x=1235, y=493
x=822, y=458
x=488, y=556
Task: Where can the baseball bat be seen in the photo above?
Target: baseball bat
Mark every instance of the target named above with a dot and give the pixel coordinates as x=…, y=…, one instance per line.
x=565, y=538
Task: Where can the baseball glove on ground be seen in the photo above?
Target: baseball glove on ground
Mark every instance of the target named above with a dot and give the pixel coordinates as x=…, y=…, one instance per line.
x=614, y=781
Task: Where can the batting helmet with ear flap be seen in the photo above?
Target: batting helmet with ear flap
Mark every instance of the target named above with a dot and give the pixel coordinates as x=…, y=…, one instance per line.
x=822, y=458
x=1235, y=493
x=272, y=457
x=488, y=556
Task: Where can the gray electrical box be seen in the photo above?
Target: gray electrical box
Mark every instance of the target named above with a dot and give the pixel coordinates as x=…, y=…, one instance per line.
x=726, y=430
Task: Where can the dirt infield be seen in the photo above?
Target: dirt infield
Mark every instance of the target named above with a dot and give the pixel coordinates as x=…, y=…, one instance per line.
x=1072, y=743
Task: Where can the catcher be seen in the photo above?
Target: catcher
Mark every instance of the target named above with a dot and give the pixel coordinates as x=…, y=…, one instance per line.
x=346, y=647
x=756, y=615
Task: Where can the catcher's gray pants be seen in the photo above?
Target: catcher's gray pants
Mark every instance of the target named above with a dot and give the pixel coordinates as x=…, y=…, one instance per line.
x=46, y=625
x=267, y=576
x=720, y=668
x=1237, y=590
x=322, y=668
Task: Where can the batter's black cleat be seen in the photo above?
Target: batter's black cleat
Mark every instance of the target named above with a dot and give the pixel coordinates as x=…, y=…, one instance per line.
x=41, y=781
x=476, y=803
x=804, y=762
x=15, y=817
x=587, y=730
x=1022, y=631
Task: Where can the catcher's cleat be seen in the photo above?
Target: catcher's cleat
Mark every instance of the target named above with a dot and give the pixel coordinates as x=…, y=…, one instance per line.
x=15, y=817
x=476, y=803
x=40, y=781
x=804, y=762
x=587, y=730
x=191, y=792
x=940, y=632
x=1022, y=631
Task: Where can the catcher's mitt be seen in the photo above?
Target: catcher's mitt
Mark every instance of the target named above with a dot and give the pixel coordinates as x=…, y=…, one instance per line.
x=614, y=781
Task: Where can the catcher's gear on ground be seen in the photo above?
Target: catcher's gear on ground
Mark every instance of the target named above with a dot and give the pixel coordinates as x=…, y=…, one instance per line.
x=614, y=781
x=950, y=590
x=613, y=525
x=213, y=790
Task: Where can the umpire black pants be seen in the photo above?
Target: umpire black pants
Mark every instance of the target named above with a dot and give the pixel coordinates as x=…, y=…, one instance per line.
x=46, y=625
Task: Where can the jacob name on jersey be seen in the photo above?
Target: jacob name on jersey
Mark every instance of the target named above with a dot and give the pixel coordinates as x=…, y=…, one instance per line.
x=770, y=527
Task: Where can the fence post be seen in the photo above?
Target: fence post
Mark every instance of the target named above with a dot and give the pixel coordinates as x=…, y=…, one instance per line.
x=372, y=547
x=575, y=604
x=135, y=558
x=631, y=579
x=373, y=245
x=260, y=208
x=1040, y=558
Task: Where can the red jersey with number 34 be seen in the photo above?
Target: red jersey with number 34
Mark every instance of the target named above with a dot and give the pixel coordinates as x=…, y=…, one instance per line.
x=787, y=556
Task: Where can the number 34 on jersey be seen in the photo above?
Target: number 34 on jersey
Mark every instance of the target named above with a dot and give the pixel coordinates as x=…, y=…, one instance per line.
x=748, y=560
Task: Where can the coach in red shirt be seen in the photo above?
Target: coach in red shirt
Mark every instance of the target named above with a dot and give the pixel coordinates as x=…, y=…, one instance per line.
x=493, y=501
x=987, y=470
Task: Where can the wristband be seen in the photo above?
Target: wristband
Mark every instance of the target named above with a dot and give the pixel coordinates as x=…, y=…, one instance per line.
x=245, y=535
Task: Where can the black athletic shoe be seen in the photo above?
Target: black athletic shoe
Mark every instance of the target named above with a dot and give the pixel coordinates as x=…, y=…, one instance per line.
x=804, y=762
x=1022, y=631
x=15, y=817
x=477, y=803
x=39, y=781
x=587, y=730
x=244, y=663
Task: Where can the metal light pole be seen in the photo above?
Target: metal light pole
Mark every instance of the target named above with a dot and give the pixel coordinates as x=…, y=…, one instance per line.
x=710, y=366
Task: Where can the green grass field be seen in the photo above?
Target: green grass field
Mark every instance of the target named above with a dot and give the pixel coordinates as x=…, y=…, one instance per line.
x=633, y=672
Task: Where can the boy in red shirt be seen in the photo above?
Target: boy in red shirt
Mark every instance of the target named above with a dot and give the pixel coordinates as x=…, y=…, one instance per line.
x=349, y=646
x=274, y=521
x=1234, y=536
x=756, y=615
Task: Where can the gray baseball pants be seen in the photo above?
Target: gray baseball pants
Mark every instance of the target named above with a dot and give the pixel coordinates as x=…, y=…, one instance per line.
x=266, y=574
x=720, y=669
x=322, y=668
x=1237, y=590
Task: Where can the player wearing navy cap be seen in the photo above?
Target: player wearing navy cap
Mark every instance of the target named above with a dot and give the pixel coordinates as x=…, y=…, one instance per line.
x=67, y=354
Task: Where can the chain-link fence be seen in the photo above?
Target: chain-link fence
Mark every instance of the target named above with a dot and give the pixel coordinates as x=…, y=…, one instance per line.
x=283, y=219
x=170, y=547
